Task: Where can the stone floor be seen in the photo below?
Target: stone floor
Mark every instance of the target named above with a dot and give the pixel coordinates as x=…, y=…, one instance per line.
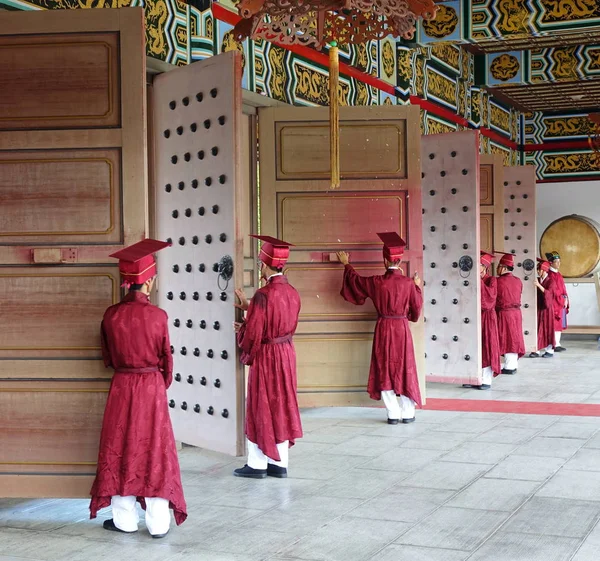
x=451, y=487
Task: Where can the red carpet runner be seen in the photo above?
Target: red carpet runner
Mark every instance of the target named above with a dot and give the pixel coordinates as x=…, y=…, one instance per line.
x=521, y=407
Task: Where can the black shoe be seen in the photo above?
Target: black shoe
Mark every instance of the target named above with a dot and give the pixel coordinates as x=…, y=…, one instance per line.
x=406, y=421
x=252, y=473
x=559, y=349
x=110, y=525
x=468, y=386
x=547, y=355
x=505, y=371
x=393, y=421
x=534, y=355
x=483, y=387
x=158, y=536
x=276, y=471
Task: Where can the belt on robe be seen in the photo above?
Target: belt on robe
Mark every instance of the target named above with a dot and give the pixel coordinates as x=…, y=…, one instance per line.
x=145, y=370
x=277, y=340
x=510, y=307
x=392, y=317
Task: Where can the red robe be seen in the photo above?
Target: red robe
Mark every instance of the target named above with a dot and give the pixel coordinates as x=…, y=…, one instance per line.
x=560, y=294
x=508, y=309
x=265, y=339
x=137, y=455
x=545, y=314
x=490, y=347
x=397, y=300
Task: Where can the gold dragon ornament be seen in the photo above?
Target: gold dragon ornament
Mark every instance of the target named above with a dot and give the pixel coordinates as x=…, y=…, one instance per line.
x=594, y=138
x=314, y=23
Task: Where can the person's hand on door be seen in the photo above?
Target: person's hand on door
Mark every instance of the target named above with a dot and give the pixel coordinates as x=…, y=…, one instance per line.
x=243, y=305
x=343, y=257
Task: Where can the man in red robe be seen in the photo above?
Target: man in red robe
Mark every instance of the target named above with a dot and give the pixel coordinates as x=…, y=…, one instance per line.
x=508, y=309
x=398, y=300
x=137, y=460
x=561, y=298
x=545, y=311
x=265, y=340
x=490, y=346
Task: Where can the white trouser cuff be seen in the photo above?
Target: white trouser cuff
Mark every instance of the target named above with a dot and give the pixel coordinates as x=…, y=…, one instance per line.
x=487, y=375
x=557, y=335
x=511, y=361
x=258, y=460
x=408, y=407
x=394, y=411
x=125, y=513
x=158, y=515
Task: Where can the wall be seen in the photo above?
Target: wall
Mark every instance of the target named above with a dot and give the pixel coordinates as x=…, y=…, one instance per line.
x=555, y=200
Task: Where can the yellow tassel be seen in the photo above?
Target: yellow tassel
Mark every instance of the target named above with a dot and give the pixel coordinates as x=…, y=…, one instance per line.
x=334, y=115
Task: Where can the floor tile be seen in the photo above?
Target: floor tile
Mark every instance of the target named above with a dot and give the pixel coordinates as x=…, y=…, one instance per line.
x=495, y=494
x=446, y=475
x=346, y=539
x=411, y=553
x=526, y=468
x=505, y=546
x=550, y=447
x=556, y=517
x=584, y=460
x=479, y=453
x=305, y=514
x=454, y=528
x=570, y=430
x=569, y=484
x=403, y=504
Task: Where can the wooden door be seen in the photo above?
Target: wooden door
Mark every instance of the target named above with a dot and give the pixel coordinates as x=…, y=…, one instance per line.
x=491, y=205
x=380, y=191
x=198, y=154
x=72, y=190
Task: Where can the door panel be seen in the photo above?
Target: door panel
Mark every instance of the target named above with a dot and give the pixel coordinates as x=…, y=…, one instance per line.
x=491, y=206
x=197, y=122
x=519, y=227
x=450, y=234
x=380, y=191
x=73, y=190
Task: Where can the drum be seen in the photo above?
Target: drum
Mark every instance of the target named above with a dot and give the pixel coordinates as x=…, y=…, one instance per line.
x=577, y=241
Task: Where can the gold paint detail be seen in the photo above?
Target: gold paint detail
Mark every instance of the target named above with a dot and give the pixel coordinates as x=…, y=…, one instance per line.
x=313, y=86
x=569, y=10
x=441, y=86
x=388, y=58
x=565, y=63
x=504, y=67
x=230, y=43
x=514, y=17
x=157, y=14
x=444, y=24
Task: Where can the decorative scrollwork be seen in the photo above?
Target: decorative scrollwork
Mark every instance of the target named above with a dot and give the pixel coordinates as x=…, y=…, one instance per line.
x=315, y=22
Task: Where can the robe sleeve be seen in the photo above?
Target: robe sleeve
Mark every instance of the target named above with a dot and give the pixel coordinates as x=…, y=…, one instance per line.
x=415, y=304
x=166, y=358
x=355, y=289
x=105, y=349
x=251, y=333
